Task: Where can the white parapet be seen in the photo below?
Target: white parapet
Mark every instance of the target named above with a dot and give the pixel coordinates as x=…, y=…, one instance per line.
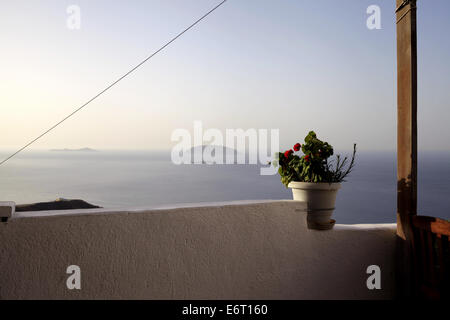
x=7, y=209
x=233, y=250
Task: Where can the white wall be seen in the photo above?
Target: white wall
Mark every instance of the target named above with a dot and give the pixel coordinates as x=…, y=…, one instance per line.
x=259, y=250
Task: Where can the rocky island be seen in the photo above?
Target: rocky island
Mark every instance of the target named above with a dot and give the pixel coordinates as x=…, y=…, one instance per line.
x=59, y=204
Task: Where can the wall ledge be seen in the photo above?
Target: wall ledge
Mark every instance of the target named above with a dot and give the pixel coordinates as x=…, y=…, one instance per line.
x=106, y=211
x=228, y=250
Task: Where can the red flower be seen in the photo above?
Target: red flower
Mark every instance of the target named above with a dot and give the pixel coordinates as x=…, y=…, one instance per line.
x=297, y=147
x=288, y=153
x=307, y=158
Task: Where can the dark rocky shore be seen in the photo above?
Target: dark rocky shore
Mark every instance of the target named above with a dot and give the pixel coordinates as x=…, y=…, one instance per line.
x=60, y=204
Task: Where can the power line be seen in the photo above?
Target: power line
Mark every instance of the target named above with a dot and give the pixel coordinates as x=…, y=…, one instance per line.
x=117, y=81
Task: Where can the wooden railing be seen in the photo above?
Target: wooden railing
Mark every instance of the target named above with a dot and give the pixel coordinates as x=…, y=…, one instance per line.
x=432, y=257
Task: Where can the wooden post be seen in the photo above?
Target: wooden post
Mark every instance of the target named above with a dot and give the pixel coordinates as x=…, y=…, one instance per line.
x=406, y=140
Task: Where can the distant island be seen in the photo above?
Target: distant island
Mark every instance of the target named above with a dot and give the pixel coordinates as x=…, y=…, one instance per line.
x=74, y=150
x=58, y=204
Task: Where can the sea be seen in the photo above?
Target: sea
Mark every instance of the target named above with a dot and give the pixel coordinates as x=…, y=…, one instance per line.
x=145, y=179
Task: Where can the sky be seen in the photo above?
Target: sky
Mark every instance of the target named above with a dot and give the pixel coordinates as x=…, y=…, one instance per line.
x=280, y=64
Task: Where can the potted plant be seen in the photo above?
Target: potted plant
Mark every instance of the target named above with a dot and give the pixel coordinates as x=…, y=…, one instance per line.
x=315, y=177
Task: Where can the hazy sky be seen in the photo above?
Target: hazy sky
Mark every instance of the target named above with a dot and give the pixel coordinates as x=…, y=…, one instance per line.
x=293, y=65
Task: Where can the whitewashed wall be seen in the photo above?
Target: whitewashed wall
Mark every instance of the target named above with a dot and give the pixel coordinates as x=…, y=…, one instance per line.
x=239, y=250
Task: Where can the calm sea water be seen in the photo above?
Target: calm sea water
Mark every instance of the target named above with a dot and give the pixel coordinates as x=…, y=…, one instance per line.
x=140, y=179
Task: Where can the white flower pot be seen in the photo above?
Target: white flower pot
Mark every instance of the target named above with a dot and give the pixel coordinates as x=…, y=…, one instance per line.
x=320, y=198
